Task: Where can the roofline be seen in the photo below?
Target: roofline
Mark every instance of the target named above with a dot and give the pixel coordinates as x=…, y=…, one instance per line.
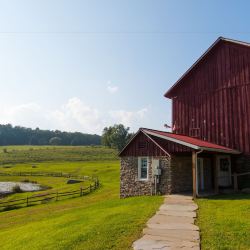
x=174, y=140
x=190, y=145
x=141, y=130
x=167, y=94
x=129, y=142
x=155, y=143
x=147, y=132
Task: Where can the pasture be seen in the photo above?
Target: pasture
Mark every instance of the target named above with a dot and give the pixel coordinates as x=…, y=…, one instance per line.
x=100, y=220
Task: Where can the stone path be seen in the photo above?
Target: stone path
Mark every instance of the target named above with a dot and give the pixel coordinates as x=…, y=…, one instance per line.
x=172, y=227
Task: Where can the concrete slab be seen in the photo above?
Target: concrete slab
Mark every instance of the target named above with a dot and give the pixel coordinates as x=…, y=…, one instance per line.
x=179, y=207
x=162, y=219
x=181, y=226
x=177, y=213
x=173, y=235
x=149, y=244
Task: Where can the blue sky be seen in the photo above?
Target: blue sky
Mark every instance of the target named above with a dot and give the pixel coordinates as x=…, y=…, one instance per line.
x=82, y=65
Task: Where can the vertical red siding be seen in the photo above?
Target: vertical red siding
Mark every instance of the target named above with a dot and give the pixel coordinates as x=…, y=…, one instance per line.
x=216, y=98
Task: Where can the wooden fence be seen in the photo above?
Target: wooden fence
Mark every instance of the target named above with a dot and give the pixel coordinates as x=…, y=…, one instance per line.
x=51, y=174
x=48, y=197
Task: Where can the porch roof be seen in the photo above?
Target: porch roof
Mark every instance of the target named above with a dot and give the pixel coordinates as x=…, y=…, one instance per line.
x=188, y=141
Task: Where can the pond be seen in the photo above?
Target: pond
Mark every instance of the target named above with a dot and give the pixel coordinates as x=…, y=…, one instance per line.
x=7, y=187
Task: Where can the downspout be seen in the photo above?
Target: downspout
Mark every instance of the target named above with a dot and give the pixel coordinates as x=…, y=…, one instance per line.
x=196, y=170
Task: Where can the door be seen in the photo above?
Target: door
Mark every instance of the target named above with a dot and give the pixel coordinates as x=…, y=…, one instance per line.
x=200, y=171
x=224, y=170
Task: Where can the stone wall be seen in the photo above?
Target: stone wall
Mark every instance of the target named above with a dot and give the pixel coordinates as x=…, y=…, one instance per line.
x=130, y=185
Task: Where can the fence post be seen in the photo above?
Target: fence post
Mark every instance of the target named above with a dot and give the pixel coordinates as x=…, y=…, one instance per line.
x=81, y=191
x=27, y=201
x=57, y=196
x=235, y=182
x=90, y=187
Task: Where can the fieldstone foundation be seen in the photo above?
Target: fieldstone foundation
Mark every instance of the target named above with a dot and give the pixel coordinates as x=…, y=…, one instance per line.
x=176, y=176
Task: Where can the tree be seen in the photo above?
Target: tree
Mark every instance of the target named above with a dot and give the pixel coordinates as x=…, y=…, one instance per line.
x=55, y=141
x=116, y=136
x=17, y=135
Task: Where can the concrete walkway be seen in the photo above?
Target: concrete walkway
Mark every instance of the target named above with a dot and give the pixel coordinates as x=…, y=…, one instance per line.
x=172, y=227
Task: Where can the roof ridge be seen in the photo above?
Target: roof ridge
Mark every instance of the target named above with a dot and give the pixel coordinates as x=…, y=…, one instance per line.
x=204, y=54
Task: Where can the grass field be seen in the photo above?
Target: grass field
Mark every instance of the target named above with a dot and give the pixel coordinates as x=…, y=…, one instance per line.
x=98, y=221
x=29, y=154
x=224, y=222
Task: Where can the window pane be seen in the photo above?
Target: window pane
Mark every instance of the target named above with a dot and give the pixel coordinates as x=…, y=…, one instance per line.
x=144, y=168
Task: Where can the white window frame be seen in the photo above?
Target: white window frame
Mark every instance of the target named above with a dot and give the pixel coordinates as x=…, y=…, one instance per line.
x=139, y=168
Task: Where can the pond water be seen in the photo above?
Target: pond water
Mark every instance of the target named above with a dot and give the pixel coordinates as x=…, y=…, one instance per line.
x=7, y=186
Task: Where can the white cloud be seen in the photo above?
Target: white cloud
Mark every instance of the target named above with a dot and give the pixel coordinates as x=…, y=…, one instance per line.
x=75, y=115
x=129, y=118
x=24, y=114
x=112, y=88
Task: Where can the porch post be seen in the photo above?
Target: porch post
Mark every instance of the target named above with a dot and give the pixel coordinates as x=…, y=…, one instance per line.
x=194, y=167
x=215, y=165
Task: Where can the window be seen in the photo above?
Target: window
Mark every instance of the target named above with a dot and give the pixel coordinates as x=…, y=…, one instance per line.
x=142, y=168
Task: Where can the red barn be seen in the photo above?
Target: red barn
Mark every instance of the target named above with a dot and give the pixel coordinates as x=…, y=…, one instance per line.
x=211, y=130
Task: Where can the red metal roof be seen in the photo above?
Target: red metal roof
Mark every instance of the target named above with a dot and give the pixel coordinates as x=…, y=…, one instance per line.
x=189, y=141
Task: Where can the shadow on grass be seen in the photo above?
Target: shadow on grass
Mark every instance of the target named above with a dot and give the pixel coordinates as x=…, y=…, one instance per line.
x=237, y=196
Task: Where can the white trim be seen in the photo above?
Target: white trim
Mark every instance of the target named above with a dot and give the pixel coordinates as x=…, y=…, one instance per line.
x=191, y=145
x=139, y=168
x=221, y=150
x=173, y=140
x=145, y=133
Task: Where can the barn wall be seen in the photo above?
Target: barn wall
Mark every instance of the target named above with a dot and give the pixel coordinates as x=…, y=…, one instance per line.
x=213, y=102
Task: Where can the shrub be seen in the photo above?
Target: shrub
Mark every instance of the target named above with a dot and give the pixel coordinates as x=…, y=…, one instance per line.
x=17, y=189
x=5, y=150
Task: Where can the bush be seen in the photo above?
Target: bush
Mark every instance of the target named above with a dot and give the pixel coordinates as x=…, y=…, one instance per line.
x=17, y=189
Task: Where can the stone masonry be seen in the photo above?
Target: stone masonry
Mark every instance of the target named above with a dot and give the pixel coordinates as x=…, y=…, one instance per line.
x=176, y=176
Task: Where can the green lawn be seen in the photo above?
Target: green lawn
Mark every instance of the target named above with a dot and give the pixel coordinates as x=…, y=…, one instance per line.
x=224, y=222
x=100, y=220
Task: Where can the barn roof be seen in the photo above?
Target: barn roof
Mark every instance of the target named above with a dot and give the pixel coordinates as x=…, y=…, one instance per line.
x=169, y=93
x=184, y=140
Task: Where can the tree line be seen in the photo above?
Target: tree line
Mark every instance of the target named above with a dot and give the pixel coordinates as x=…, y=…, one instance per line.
x=17, y=135
x=116, y=136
